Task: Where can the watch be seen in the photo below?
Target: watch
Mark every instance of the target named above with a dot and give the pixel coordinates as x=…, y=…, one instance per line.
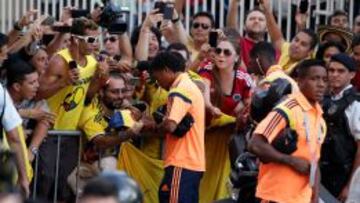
x=34, y=151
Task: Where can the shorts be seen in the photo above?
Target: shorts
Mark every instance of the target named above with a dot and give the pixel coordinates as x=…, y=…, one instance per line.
x=180, y=185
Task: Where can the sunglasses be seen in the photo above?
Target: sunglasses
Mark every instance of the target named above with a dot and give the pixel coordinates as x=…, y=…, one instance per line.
x=88, y=39
x=227, y=52
x=203, y=26
x=112, y=39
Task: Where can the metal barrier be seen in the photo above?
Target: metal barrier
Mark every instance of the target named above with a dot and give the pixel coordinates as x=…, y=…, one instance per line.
x=11, y=10
x=59, y=135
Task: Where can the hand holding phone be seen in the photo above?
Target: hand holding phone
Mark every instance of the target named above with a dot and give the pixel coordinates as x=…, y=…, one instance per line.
x=72, y=64
x=213, y=37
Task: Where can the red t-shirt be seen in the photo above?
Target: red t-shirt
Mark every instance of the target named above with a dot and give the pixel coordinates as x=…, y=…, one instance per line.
x=246, y=45
x=356, y=81
x=240, y=91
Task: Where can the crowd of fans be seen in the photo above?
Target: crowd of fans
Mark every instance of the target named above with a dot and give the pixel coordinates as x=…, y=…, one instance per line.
x=166, y=114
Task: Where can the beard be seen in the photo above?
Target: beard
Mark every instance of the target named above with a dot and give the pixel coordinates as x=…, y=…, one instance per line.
x=112, y=105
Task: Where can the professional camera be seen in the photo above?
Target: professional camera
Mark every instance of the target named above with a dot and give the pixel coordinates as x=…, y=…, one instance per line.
x=112, y=17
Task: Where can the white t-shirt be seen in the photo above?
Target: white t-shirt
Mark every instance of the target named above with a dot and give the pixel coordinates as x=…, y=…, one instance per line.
x=11, y=117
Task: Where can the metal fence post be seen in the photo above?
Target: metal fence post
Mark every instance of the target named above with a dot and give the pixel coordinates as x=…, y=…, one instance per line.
x=57, y=168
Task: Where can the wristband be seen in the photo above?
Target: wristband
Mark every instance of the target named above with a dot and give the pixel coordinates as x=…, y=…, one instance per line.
x=34, y=150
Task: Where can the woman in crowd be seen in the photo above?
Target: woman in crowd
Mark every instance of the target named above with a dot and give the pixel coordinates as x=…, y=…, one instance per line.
x=227, y=94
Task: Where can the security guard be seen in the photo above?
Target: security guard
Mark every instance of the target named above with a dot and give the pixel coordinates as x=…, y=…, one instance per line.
x=340, y=155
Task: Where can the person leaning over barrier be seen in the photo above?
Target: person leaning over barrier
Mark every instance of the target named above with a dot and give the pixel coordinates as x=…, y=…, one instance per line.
x=288, y=141
x=106, y=124
x=64, y=84
x=23, y=85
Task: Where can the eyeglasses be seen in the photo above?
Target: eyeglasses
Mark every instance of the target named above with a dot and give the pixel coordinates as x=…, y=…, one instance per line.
x=227, y=52
x=203, y=26
x=112, y=39
x=88, y=39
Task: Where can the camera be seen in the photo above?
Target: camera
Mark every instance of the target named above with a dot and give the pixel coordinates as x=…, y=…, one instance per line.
x=113, y=18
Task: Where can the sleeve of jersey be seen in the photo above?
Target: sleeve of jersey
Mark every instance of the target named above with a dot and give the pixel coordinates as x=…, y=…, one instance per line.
x=204, y=73
x=89, y=125
x=179, y=105
x=271, y=126
x=246, y=83
x=11, y=117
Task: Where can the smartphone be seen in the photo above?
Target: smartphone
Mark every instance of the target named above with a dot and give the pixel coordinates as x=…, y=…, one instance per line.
x=168, y=11
x=117, y=28
x=303, y=6
x=77, y=13
x=72, y=64
x=160, y=5
x=213, y=35
x=61, y=29
x=141, y=106
x=49, y=21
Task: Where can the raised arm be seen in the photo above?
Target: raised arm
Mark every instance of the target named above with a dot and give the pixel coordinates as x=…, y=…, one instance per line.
x=276, y=36
x=232, y=18
x=142, y=47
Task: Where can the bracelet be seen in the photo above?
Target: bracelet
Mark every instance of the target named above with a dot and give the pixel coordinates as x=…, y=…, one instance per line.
x=34, y=150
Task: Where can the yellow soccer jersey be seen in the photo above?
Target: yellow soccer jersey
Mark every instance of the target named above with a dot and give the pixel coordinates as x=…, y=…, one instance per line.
x=68, y=103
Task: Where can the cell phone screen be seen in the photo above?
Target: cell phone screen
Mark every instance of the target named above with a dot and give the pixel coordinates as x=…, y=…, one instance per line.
x=79, y=13
x=213, y=35
x=168, y=11
x=72, y=64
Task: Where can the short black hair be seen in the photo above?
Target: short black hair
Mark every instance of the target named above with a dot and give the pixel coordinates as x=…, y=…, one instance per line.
x=312, y=35
x=337, y=13
x=205, y=14
x=265, y=49
x=136, y=33
x=99, y=187
x=16, y=70
x=3, y=39
x=171, y=60
x=302, y=69
x=117, y=75
x=179, y=47
x=80, y=25
x=322, y=48
x=355, y=41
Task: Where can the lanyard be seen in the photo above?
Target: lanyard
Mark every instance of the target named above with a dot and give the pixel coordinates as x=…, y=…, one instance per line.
x=312, y=152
